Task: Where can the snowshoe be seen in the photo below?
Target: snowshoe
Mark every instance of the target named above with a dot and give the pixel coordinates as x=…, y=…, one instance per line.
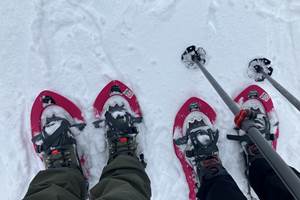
x=53, y=122
x=195, y=143
x=117, y=109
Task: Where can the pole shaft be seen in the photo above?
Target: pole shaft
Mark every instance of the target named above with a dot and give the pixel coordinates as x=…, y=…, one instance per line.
x=284, y=172
x=291, y=98
x=226, y=98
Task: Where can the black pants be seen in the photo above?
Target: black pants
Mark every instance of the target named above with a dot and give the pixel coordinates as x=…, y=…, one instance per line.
x=262, y=178
x=125, y=178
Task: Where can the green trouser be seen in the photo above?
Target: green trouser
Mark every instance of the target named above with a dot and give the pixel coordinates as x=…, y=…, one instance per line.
x=122, y=179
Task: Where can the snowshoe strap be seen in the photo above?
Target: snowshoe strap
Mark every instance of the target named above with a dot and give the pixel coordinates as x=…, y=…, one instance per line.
x=120, y=125
x=247, y=114
x=199, y=149
x=213, y=135
x=61, y=136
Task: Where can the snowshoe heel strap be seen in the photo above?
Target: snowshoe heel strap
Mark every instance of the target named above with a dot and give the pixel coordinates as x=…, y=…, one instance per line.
x=181, y=141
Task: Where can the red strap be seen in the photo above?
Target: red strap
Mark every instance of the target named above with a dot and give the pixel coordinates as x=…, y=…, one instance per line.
x=240, y=117
x=123, y=139
x=55, y=152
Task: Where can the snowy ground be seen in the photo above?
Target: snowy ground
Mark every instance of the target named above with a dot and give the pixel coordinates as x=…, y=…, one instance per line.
x=75, y=47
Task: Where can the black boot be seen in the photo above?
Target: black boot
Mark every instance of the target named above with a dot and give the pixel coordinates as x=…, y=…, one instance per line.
x=56, y=144
x=121, y=132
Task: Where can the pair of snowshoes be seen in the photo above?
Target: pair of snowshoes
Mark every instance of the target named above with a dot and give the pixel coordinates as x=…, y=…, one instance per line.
x=195, y=135
x=55, y=121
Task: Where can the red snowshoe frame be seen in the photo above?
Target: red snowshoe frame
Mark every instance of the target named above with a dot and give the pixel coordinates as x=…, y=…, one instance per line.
x=124, y=92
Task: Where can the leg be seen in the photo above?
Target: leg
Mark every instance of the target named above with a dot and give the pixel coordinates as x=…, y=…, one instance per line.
x=220, y=187
x=58, y=183
x=266, y=183
x=123, y=178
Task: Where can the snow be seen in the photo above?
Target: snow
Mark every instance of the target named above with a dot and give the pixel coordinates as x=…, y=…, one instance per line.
x=120, y=101
x=75, y=47
x=56, y=111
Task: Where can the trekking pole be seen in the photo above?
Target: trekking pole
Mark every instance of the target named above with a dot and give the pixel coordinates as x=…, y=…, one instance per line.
x=194, y=56
x=260, y=68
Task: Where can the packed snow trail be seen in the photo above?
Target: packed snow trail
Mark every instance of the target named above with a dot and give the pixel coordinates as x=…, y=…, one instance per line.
x=75, y=47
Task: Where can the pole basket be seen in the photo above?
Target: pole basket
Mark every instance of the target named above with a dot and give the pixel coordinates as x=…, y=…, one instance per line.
x=193, y=54
x=257, y=66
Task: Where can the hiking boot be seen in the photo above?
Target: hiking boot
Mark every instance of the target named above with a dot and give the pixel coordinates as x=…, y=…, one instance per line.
x=121, y=132
x=56, y=144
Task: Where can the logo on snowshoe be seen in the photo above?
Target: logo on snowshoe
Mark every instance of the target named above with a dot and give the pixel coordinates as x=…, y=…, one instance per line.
x=264, y=96
x=128, y=93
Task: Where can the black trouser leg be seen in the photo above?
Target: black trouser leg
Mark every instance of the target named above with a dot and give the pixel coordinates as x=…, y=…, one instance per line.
x=56, y=184
x=220, y=187
x=266, y=183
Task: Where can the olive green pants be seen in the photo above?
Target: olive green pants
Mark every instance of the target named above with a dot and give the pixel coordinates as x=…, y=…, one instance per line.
x=122, y=179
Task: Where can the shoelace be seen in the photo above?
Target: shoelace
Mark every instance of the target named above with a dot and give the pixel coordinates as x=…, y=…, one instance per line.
x=58, y=158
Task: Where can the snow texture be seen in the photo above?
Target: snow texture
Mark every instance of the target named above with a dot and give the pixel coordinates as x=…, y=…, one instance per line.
x=75, y=47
